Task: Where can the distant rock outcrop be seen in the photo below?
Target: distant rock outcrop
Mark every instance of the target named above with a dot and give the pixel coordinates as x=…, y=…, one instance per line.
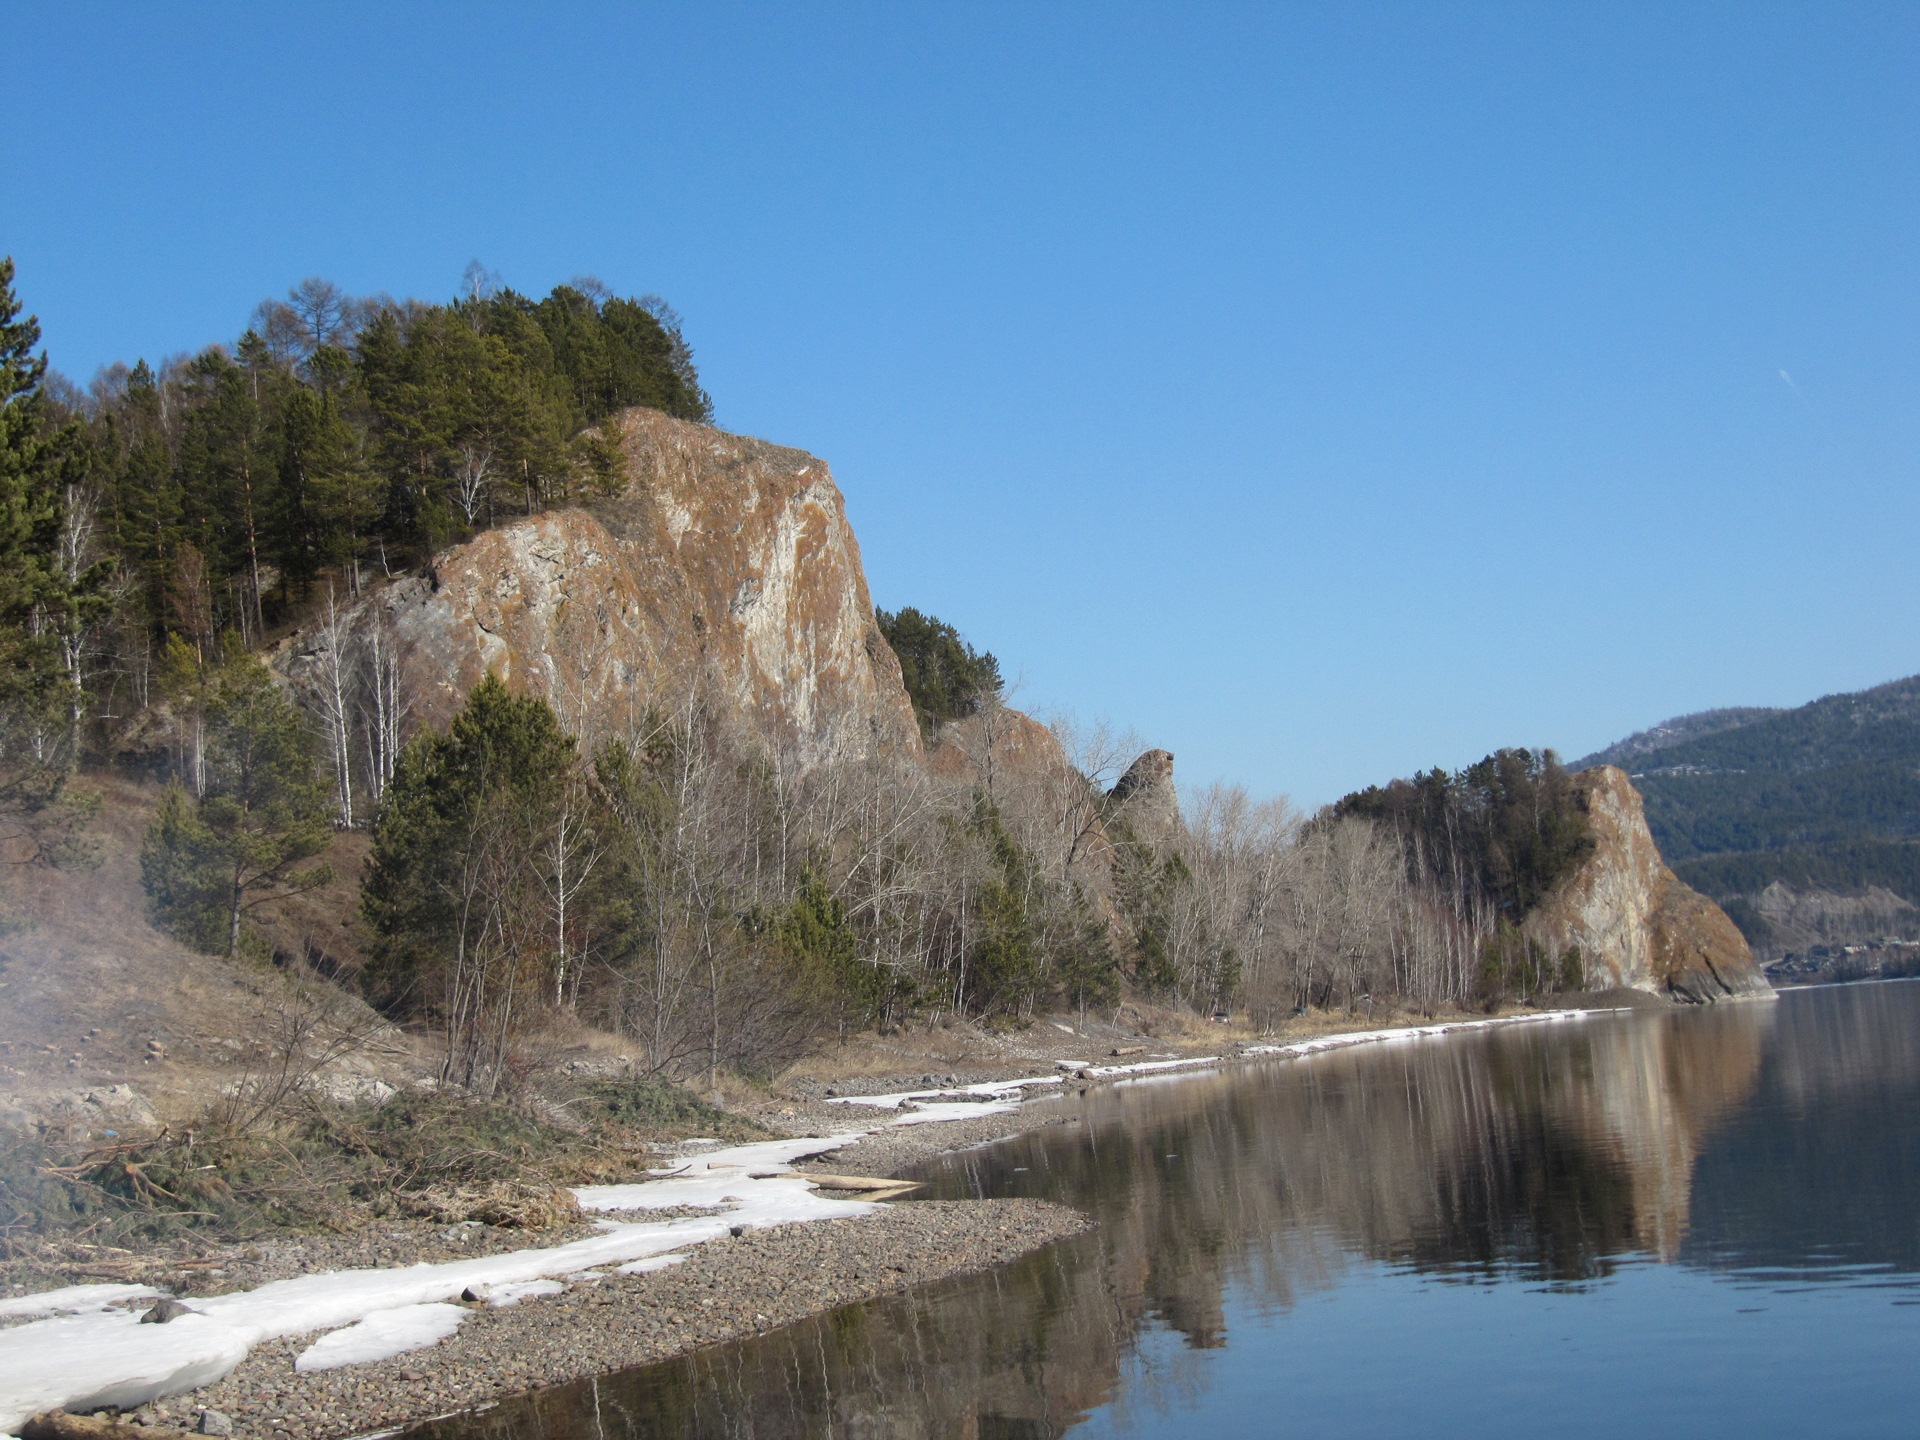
x=1633, y=920
x=727, y=569
x=1145, y=799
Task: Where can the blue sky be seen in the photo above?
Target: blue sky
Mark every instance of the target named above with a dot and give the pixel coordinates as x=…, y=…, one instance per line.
x=1325, y=391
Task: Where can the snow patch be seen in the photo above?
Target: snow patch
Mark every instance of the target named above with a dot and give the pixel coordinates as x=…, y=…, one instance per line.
x=513, y=1293
x=75, y=1300
x=382, y=1335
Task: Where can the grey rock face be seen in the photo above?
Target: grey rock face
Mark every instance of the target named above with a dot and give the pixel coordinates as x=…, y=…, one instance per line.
x=1145, y=799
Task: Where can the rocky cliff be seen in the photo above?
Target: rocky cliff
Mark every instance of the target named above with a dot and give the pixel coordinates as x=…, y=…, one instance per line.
x=1632, y=918
x=1145, y=799
x=727, y=568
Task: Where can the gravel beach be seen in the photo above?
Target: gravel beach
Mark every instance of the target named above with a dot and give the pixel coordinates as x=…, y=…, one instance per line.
x=723, y=1291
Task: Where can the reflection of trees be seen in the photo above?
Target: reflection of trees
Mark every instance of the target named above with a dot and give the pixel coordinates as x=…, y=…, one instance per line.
x=1542, y=1152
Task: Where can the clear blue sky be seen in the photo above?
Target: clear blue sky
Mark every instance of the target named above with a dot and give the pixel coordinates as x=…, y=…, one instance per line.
x=1324, y=390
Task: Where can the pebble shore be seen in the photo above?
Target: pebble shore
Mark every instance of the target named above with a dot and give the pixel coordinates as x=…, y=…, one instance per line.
x=725, y=1290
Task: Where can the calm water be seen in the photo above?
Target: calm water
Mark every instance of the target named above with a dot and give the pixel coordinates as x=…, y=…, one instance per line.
x=1693, y=1224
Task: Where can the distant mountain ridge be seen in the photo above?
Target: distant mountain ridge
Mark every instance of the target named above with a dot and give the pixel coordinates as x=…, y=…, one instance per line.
x=1629, y=752
x=1824, y=798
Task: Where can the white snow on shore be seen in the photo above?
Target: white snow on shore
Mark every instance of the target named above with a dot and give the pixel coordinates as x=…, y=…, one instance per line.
x=925, y=1105
x=88, y=1355
x=106, y=1357
x=75, y=1300
x=382, y=1335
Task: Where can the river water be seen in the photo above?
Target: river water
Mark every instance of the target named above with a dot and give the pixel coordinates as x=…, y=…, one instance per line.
x=1690, y=1223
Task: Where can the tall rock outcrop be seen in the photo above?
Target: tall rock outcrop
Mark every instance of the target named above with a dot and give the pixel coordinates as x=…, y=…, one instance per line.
x=726, y=569
x=1631, y=916
x=1144, y=798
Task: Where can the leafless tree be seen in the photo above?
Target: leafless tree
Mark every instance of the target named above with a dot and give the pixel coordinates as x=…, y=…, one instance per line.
x=334, y=676
x=322, y=308
x=383, y=705
x=472, y=473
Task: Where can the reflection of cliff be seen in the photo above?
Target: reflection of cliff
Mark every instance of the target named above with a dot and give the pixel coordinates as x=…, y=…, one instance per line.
x=1656, y=1091
x=1544, y=1150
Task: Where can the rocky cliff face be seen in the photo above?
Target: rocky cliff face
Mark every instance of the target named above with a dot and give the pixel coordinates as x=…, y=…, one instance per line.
x=1145, y=797
x=727, y=570
x=1631, y=916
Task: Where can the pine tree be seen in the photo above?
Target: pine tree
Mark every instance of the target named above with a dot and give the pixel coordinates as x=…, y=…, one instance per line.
x=475, y=799
x=40, y=462
x=264, y=813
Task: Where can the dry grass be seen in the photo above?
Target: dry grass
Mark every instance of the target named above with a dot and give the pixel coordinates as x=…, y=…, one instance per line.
x=92, y=995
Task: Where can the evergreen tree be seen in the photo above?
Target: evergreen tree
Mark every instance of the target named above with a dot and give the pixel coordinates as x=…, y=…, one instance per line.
x=42, y=592
x=818, y=935
x=264, y=812
x=946, y=678
x=473, y=801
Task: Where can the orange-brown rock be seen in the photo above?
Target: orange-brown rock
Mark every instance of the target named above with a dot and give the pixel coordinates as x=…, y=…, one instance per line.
x=1635, y=923
x=727, y=567
x=999, y=748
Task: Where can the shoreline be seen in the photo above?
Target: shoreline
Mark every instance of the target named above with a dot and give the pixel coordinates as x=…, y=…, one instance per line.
x=638, y=1292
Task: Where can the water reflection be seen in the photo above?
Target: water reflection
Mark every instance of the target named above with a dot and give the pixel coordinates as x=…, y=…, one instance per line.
x=1757, y=1139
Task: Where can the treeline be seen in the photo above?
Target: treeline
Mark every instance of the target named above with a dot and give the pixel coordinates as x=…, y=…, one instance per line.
x=1499, y=834
x=681, y=887
x=1478, y=849
x=677, y=887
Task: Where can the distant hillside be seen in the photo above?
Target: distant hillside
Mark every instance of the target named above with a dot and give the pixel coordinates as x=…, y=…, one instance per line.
x=1823, y=798
x=1628, y=753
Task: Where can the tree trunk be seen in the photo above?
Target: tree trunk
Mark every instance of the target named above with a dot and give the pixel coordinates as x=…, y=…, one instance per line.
x=233, y=916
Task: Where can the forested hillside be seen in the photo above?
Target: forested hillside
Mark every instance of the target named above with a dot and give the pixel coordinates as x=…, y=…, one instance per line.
x=1803, y=824
x=669, y=873
x=342, y=435
x=1825, y=797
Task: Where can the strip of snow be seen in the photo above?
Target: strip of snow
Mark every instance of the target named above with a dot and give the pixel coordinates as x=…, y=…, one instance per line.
x=936, y=1112
x=382, y=1335
x=86, y=1361
x=502, y=1296
x=100, y=1356
x=652, y=1263
x=75, y=1300
x=932, y=1104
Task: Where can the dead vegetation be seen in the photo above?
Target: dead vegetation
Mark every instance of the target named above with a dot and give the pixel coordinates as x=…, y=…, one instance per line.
x=315, y=1165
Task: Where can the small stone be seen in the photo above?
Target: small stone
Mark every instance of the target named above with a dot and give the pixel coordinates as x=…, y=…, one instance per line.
x=168, y=1309
x=736, y=1231
x=212, y=1422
